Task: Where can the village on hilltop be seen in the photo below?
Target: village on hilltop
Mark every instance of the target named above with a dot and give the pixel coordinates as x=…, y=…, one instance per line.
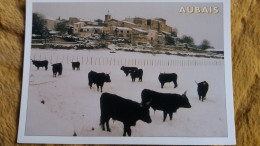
x=131, y=34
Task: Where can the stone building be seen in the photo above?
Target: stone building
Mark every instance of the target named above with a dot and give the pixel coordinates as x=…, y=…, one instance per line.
x=138, y=36
x=152, y=37
x=77, y=27
x=73, y=20
x=123, y=32
x=140, y=22
x=88, y=31
x=158, y=24
x=108, y=17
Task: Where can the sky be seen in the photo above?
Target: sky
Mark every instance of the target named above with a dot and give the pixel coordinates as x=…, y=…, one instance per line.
x=198, y=26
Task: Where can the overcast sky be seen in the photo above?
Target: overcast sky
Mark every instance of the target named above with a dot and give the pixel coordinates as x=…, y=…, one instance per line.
x=199, y=26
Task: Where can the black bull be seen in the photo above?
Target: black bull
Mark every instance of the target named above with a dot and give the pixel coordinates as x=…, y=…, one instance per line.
x=166, y=102
x=137, y=74
x=57, y=68
x=128, y=70
x=38, y=64
x=168, y=77
x=98, y=78
x=75, y=65
x=202, y=90
x=124, y=110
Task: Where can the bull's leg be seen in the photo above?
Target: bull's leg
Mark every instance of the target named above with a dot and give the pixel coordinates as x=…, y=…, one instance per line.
x=124, y=133
x=103, y=120
x=164, y=116
x=175, y=84
x=170, y=114
x=128, y=131
x=202, y=98
x=97, y=87
x=162, y=85
x=90, y=84
x=46, y=67
x=102, y=123
x=101, y=86
x=107, y=124
x=37, y=68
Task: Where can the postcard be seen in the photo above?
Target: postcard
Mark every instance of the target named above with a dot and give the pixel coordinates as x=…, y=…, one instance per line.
x=127, y=72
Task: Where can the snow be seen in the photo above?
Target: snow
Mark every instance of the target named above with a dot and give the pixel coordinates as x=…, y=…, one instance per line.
x=140, y=30
x=93, y=27
x=123, y=28
x=71, y=106
x=129, y=22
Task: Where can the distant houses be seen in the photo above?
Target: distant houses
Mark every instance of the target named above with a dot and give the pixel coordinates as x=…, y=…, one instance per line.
x=135, y=30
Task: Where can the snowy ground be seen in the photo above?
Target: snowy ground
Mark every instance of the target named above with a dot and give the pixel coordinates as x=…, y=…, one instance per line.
x=71, y=106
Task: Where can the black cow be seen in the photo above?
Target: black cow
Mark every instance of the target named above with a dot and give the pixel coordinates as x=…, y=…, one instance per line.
x=166, y=102
x=124, y=110
x=137, y=74
x=128, y=70
x=98, y=78
x=202, y=90
x=56, y=68
x=168, y=77
x=38, y=64
x=75, y=65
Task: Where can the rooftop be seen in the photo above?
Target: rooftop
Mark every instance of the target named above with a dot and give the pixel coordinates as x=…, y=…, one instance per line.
x=129, y=22
x=99, y=27
x=123, y=28
x=140, y=30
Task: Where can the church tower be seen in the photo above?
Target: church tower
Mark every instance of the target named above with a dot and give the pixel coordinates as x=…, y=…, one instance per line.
x=107, y=17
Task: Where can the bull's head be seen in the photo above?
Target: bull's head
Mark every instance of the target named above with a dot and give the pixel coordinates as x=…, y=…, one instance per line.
x=146, y=104
x=122, y=68
x=145, y=113
x=33, y=61
x=107, y=78
x=185, y=101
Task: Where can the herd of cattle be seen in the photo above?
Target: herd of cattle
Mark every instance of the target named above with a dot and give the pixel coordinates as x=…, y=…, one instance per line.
x=126, y=110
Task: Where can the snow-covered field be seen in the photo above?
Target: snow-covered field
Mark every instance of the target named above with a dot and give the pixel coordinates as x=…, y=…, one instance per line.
x=71, y=106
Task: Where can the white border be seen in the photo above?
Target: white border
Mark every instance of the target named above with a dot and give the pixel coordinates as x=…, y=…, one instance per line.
x=229, y=140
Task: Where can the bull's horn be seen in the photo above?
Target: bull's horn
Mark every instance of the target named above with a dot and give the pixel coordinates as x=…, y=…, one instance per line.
x=196, y=82
x=148, y=102
x=185, y=92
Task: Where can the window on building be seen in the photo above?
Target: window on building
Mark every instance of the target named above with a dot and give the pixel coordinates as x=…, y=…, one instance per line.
x=127, y=31
x=121, y=31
